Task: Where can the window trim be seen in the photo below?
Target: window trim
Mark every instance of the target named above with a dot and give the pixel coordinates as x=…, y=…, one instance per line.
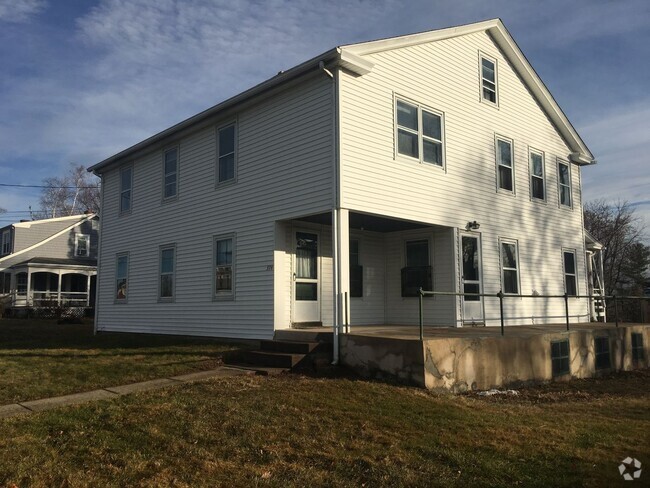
x=76, y=245
x=564, y=271
x=492, y=59
x=177, y=172
x=232, y=123
x=420, y=135
x=7, y=233
x=128, y=265
x=531, y=151
x=498, y=138
x=502, y=241
x=122, y=211
x=224, y=295
x=162, y=248
x=560, y=185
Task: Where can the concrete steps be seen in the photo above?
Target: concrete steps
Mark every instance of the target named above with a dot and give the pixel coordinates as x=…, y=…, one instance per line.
x=295, y=352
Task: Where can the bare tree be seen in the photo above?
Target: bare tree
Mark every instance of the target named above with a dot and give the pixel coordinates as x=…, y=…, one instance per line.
x=625, y=258
x=71, y=194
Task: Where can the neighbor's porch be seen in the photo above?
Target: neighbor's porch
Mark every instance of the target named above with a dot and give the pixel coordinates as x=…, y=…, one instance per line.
x=48, y=282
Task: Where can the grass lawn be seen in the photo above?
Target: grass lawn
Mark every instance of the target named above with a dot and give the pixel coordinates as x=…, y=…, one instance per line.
x=39, y=358
x=302, y=431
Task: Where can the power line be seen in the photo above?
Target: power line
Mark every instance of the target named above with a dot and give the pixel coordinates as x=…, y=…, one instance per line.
x=48, y=186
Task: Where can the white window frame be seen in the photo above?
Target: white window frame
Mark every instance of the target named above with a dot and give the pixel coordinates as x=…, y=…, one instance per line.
x=224, y=294
x=175, y=173
x=574, y=275
x=6, y=241
x=497, y=157
x=172, y=273
x=118, y=277
x=420, y=135
x=234, y=124
x=561, y=185
x=123, y=190
x=77, y=238
x=531, y=152
x=493, y=60
x=514, y=242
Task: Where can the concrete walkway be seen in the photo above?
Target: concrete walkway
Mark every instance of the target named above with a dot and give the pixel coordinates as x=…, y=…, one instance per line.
x=116, y=391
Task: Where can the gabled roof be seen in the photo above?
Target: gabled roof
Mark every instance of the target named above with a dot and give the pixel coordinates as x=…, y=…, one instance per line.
x=351, y=57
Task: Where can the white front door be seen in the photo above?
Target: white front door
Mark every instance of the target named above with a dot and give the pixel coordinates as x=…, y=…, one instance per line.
x=306, y=279
x=471, y=279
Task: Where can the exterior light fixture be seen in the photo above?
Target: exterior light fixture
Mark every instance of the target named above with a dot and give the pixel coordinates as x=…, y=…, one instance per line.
x=472, y=225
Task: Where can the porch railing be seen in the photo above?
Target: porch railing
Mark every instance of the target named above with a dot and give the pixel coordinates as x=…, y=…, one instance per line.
x=52, y=298
x=501, y=296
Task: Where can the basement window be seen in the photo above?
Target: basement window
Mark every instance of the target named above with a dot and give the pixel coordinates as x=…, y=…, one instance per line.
x=601, y=348
x=637, y=347
x=560, y=357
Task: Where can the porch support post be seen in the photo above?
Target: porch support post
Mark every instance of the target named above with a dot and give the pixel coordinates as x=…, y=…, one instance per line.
x=87, y=289
x=336, y=329
x=28, y=292
x=58, y=291
x=590, y=285
x=343, y=233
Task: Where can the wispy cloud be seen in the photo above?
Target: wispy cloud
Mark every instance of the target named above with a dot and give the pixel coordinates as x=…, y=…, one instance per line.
x=20, y=10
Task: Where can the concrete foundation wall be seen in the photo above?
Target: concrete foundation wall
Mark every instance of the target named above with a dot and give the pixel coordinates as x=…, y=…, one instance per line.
x=479, y=363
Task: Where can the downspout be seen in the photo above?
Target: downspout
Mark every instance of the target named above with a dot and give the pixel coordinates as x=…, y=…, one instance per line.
x=99, y=254
x=336, y=326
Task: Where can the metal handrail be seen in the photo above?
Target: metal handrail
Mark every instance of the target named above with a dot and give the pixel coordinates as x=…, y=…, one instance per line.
x=500, y=295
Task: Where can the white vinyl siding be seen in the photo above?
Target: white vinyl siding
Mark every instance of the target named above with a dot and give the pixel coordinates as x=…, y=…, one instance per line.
x=170, y=173
x=537, y=175
x=284, y=170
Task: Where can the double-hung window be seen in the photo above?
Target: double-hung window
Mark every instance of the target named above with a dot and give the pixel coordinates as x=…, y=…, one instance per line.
x=224, y=264
x=564, y=182
x=167, y=268
x=82, y=245
x=488, y=80
x=356, y=270
x=170, y=168
x=126, y=185
x=570, y=275
x=509, y=267
x=121, y=276
x=5, y=282
x=505, y=172
x=226, y=139
x=417, y=273
x=419, y=133
x=6, y=241
x=537, y=179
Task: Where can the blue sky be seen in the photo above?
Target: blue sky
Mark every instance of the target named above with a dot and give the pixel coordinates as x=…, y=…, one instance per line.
x=84, y=79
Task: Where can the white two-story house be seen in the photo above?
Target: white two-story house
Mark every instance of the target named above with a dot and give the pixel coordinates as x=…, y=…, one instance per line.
x=330, y=193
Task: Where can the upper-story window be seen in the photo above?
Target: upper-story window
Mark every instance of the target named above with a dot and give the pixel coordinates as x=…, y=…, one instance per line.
x=537, y=177
x=488, y=80
x=126, y=185
x=6, y=241
x=81, y=245
x=564, y=182
x=170, y=181
x=227, y=157
x=505, y=171
x=419, y=133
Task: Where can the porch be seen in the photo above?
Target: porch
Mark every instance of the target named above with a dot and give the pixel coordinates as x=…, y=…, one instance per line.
x=49, y=282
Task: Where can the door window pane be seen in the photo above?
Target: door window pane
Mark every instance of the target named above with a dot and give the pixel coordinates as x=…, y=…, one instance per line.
x=306, y=255
x=307, y=292
x=470, y=259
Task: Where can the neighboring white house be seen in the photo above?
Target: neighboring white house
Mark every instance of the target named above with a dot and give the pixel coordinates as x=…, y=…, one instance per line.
x=49, y=262
x=330, y=193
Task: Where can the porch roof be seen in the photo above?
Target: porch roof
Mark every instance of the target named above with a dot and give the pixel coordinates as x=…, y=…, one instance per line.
x=58, y=262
